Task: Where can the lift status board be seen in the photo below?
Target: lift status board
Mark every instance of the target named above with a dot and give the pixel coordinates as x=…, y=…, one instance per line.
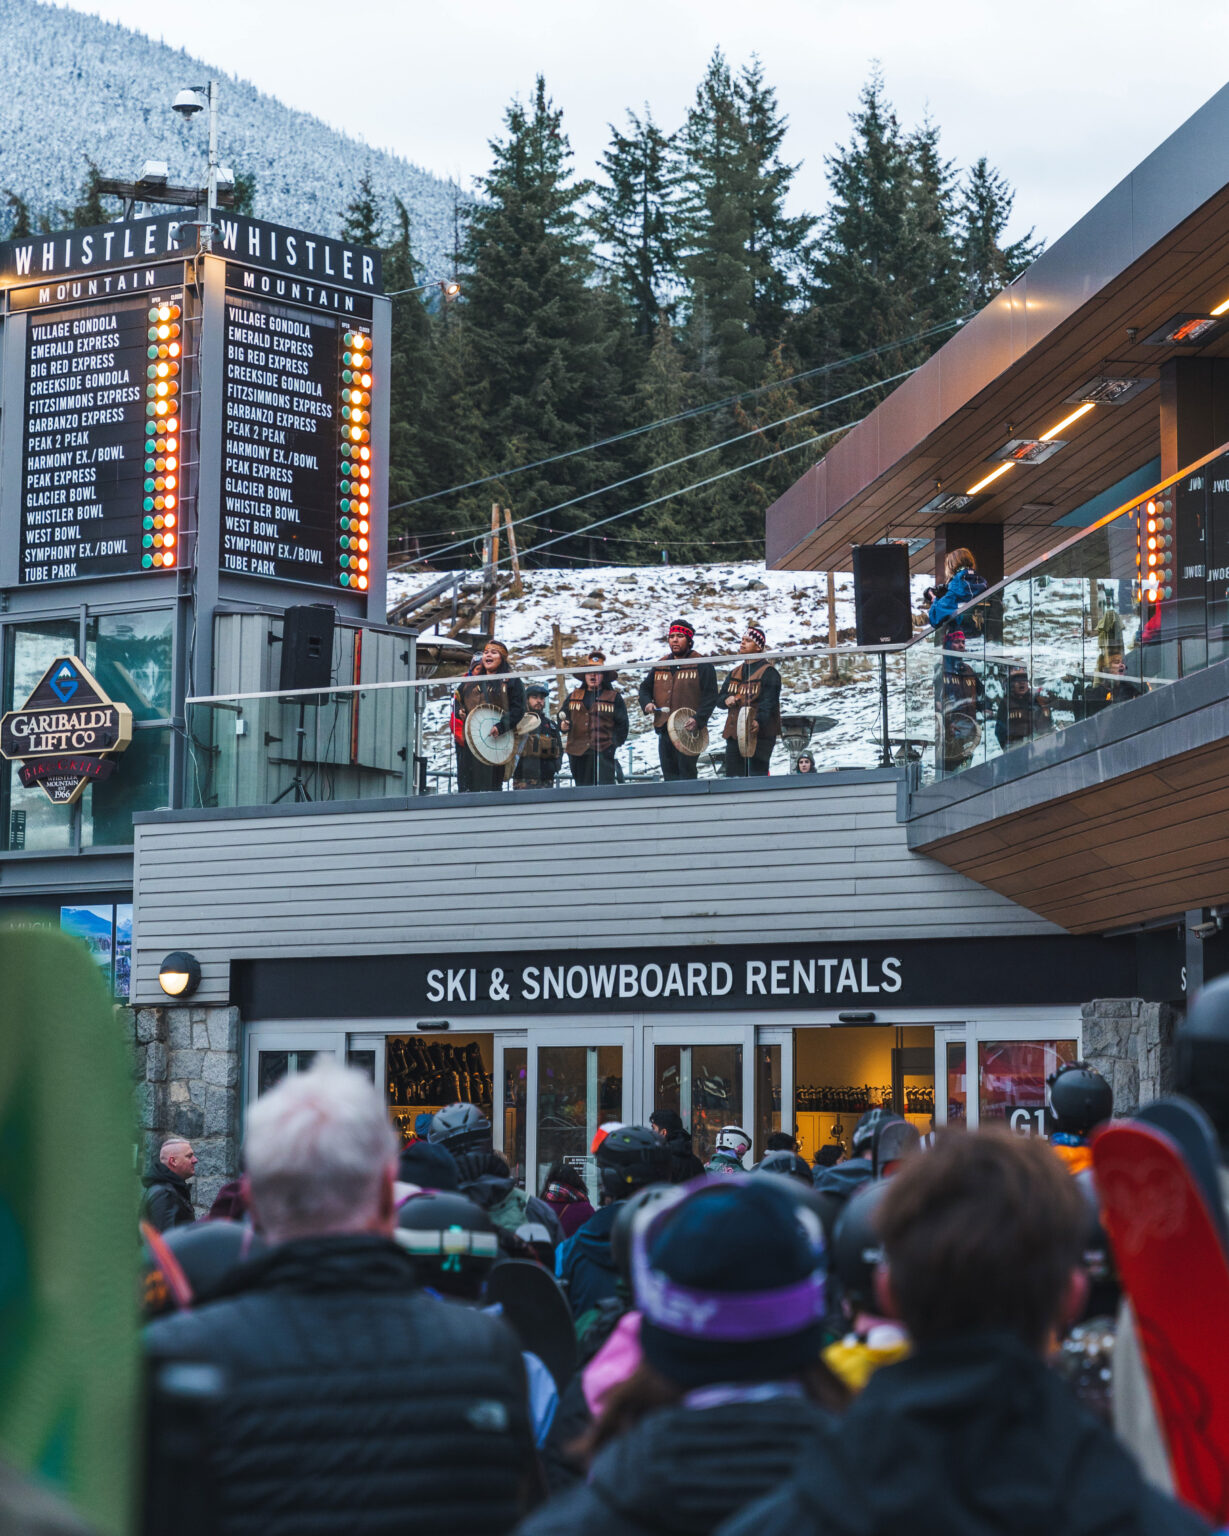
x=297, y=470
x=101, y=431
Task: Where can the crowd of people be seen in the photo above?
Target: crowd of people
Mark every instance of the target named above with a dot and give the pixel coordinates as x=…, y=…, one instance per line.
x=395, y=1337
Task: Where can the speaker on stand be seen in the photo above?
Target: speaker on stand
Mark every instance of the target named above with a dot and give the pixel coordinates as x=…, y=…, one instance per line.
x=883, y=610
x=307, y=662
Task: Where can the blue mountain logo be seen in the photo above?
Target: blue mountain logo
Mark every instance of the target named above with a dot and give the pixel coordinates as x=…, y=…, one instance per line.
x=65, y=683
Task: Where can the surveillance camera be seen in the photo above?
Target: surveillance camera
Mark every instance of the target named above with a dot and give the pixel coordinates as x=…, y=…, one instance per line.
x=188, y=104
x=1213, y=926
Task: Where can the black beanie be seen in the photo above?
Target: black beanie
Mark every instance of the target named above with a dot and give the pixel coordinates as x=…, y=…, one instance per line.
x=429, y=1165
x=729, y=1286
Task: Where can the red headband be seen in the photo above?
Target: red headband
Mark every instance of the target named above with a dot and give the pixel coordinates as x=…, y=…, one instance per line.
x=679, y=628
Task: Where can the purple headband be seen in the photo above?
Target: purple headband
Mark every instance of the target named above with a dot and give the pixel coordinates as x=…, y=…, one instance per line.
x=723, y=1316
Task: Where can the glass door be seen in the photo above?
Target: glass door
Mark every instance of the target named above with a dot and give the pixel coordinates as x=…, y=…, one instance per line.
x=706, y=1074
x=275, y=1054
x=571, y=1089
x=989, y=1073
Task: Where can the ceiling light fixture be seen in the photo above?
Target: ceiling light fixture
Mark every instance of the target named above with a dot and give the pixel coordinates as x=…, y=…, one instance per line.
x=990, y=478
x=1057, y=431
x=1105, y=390
x=1220, y=308
x=1185, y=330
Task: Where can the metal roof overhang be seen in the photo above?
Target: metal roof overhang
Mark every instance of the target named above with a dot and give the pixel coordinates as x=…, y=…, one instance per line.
x=1153, y=247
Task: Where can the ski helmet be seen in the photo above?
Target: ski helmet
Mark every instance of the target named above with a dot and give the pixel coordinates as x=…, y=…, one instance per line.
x=1201, y=1054
x=894, y=1140
x=857, y=1249
x=864, y=1131
x=1080, y=1098
x=461, y=1127
x=734, y=1140
x=635, y=1208
x=787, y=1163
x=629, y=1158
x=452, y=1241
x=202, y=1255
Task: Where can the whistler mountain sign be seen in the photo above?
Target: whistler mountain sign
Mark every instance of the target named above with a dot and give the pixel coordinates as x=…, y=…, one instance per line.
x=67, y=733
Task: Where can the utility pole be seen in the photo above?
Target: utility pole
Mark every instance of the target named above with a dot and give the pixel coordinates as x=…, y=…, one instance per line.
x=211, y=185
x=833, y=673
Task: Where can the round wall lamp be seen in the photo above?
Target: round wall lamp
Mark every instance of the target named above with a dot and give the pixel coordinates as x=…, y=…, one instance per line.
x=179, y=975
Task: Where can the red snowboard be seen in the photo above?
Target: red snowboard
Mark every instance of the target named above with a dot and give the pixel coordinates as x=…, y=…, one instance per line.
x=1175, y=1272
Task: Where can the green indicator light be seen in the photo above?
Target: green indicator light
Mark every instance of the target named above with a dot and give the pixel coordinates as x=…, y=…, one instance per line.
x=147, y=540
x=151, y=352
x=152, y=333
x=148, y=504
x=147, y=561
x=346, y=376
x=147, y=522
x=345, y=526
x=153, y=314
x=150, y=465
x=149, y=485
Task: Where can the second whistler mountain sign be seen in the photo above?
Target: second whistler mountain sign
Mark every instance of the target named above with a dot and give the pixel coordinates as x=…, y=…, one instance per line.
x=67, y=732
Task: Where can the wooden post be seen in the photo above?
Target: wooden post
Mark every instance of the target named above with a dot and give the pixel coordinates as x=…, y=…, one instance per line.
x=518, y=586
x=556, y=645
x=832, y=666
x=490, y=573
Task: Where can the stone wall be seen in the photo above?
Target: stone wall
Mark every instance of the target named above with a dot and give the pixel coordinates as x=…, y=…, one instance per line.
x=1129, y=1042
x=186, y=1064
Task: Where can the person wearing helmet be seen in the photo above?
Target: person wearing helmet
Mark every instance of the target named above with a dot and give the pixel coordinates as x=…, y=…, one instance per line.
x=872, y=1340
x=454, y=1246
x=787, y=1163
x=186, y=1266
x=729, y=1396
x=841, y=1179
x=1080, y=1100
x=628, y=1159
x=733, y=1145
x=465, y=1132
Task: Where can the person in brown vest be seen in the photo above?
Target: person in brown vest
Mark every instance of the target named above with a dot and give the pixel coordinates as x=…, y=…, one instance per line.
x=595, y=722
x=539, y=753
x=665, y=689
x=506, y=694
x=756, y=684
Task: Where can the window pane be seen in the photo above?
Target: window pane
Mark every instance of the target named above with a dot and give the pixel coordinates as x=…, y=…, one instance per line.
x=957, y=1083
x=30, y=821
x=516, y=1075
x=95, y=927
x=425, y=1073
x=578, y=1087
x=130, y=655
x=1011, y=1080
x=767, y=1094
x=140, y=781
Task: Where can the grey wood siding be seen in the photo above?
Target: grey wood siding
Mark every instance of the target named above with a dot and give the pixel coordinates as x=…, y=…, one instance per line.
x=563, y=871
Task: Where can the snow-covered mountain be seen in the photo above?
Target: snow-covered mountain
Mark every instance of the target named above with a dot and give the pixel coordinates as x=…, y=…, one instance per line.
x=73, y=86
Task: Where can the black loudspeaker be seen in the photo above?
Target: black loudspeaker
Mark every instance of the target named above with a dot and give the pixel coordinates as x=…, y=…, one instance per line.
x=307, y=647
x=884, y=612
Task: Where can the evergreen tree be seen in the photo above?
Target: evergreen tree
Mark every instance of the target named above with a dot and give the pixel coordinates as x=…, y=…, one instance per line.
x=777, y=247
x=411, y=382
x=933, y=275
x=986, y=264
x=539, y=331
x=633, y=218
x=363, y=220
x=92, y=208
x=245, y=193
x=719, y=229
x=21, y=226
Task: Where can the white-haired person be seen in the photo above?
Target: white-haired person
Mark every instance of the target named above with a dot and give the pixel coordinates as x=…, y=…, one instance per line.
x=351, y=1400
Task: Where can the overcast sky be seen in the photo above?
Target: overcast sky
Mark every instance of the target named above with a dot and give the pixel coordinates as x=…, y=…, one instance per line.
x=1064, y=96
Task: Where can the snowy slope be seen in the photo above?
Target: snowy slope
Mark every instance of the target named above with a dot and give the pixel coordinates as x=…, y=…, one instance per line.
x=72, y=85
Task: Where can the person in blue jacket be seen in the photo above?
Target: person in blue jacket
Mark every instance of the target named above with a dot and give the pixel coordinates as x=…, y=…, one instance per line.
x=961, y=585
x=630, y=1158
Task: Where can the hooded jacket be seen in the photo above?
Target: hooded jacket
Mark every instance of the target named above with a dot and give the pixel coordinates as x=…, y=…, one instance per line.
x=684, y=1164
x=843, y=1179
x=586, y=1263
x=684, y=1470
x=963, y=587
x=486, y=1181
x=351, y=1398
x=970, y=1437
x=166, y=1202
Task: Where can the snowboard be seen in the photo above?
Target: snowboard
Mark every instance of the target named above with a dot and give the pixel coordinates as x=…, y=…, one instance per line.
x=537, y=1312
x=1186, y=1123
x=1174, y=1269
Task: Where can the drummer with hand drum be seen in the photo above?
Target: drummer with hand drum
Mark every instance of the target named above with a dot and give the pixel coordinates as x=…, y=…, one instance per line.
x=594, y=719
x=483, y=738
x=680, y=699
x=539, y=747
x=751, y=695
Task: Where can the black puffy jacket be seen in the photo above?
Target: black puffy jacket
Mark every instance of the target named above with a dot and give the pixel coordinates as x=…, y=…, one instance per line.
x=354, y=1402
x=685, y=1470
x=166, y=1202
x=977, y=1437
x=684, y=1164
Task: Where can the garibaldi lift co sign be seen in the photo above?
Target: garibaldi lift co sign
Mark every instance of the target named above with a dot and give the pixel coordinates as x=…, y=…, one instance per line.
x=67, y=732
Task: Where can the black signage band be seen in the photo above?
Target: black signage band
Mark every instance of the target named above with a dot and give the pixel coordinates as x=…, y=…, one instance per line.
x=835, y=977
